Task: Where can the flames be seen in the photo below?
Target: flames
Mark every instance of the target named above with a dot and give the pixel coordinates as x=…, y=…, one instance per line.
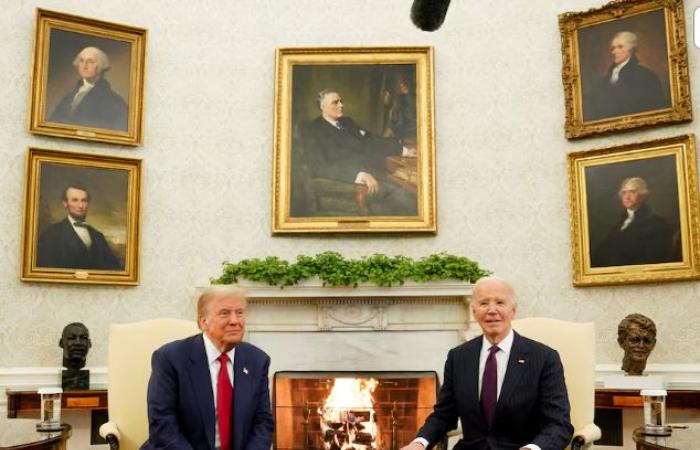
x=348, y=419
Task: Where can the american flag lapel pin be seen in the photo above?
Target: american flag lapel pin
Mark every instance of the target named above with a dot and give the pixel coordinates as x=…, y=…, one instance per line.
x=245, y=370
x=521, y=361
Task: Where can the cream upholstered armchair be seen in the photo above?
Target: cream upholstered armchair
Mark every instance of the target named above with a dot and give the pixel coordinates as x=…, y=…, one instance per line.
x=129, y=364
x=575, y=343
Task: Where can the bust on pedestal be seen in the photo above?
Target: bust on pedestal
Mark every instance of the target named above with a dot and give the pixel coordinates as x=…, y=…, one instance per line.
x=75, y=342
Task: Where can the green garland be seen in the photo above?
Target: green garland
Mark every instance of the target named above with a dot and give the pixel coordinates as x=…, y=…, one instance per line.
x=334, y=270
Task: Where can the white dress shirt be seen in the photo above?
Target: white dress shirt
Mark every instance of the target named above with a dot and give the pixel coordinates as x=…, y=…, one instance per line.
x=80, y=95
x=628, y=220
x=502, y=356
x=81, y=231
x=213, y=354
x=616, y=71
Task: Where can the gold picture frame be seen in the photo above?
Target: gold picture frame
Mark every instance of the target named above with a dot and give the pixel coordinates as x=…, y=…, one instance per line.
x=624, y=66
x=81, y=218
x=365, y=163
x=634, y=213
x=88, y=79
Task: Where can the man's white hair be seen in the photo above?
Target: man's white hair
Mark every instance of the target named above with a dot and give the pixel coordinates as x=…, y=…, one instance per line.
x=100, y=56
x=629, y=37
x=496, y=279
x=637, y=182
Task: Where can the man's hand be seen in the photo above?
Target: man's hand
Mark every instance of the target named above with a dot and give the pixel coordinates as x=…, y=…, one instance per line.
x=414, y=446
x=372, y=187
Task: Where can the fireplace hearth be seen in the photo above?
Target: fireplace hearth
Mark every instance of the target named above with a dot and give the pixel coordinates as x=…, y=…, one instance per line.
x=354, y=410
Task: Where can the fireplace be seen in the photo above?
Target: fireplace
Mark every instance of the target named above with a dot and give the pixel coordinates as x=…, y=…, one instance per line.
x=350, y=410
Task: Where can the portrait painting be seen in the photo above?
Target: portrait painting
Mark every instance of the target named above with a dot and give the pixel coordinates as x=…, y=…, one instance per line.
x=618, y=69
x=634, y=213
x=81, y=218
x=88, y=79
x=354, y=141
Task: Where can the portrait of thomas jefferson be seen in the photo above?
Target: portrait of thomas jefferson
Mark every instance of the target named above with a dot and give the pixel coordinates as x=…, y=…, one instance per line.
x=624, y=67
x=88, y=81
x=634, y=212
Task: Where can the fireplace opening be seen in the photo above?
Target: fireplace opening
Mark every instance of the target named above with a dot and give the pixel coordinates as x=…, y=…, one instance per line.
x=350, y=410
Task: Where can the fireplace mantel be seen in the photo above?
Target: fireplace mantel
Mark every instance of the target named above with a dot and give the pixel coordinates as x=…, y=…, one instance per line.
x=310, y=306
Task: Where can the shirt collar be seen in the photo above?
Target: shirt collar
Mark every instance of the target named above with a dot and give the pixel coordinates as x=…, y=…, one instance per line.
x=213, y=353
x=73, y=221
x=505, y=345
x=622, y=64
x=332, y=122
x=86, y=83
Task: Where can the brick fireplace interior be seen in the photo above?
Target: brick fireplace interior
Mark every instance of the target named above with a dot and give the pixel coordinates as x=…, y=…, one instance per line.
x=350, y=410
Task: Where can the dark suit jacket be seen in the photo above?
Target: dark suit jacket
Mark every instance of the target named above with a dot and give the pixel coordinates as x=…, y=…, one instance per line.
x=59, y=246
x=637, y=90
x=533, y=407
x=100, y=108
x=646, y=240
x=181, y=412
x=342, y=154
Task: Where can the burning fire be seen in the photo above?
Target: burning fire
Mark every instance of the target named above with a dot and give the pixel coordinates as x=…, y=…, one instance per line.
x=348, y=419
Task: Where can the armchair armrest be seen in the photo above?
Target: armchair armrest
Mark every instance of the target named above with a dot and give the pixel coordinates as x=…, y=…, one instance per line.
x=110, y=432
x=585, y=436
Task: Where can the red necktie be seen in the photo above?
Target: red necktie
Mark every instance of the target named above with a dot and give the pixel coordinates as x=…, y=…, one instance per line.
x=489, y=386
x=224, y=403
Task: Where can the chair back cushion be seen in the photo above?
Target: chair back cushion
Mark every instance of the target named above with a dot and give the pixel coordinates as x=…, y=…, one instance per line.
x=575, y=343
x=129, y=360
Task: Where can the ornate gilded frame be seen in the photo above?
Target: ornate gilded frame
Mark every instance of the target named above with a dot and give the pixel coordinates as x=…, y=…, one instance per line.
x=114, y=187
x=594, y=179
x=418, y=60
x=50, y=80
x=573, y=23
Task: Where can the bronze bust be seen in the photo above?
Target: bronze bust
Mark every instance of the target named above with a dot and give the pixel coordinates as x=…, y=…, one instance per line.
x=636, y=334
x=75, y=342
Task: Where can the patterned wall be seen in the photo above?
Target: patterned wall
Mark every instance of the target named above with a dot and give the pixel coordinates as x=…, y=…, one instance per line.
x=502, y=187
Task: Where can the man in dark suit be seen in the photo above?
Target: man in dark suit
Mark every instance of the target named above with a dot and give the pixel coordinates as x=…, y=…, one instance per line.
x=72, y=243
x=210, y=391
x=92, y=102
x=337, y=148
x=627, y=87
x=639, y=236
x=507, y=390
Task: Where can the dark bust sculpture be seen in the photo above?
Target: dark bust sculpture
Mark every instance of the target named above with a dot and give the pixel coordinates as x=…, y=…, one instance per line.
x=75, y=342
x=636, y=334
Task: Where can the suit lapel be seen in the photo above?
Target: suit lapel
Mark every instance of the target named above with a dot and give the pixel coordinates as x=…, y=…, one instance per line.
x=471, y=367
x=201, y=384
x=242, y=389
x=517, y=367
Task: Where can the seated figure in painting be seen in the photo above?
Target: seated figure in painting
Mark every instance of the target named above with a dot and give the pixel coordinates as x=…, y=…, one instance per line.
x=336, y=148
x=92, y=102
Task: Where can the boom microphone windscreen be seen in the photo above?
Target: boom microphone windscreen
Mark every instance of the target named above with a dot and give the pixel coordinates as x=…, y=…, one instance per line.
x=428, y=15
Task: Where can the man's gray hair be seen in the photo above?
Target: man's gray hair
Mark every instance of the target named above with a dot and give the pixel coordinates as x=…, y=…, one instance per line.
x=217, y=291
x=102, y=59
x=322, y=95
x=496, y=279
x=629, y=37
x=637, y=182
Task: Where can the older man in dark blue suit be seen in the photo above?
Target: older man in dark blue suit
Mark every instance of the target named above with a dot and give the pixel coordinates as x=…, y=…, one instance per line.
x=210, y=391
x=507, y=390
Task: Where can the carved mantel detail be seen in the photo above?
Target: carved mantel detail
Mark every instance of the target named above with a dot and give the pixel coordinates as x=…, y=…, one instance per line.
x=313, y=307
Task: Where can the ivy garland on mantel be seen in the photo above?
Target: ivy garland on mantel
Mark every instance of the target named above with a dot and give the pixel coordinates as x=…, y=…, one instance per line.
x=335, y=270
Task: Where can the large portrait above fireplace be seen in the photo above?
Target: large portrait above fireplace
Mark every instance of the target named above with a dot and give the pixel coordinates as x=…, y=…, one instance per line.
x=350, y=410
